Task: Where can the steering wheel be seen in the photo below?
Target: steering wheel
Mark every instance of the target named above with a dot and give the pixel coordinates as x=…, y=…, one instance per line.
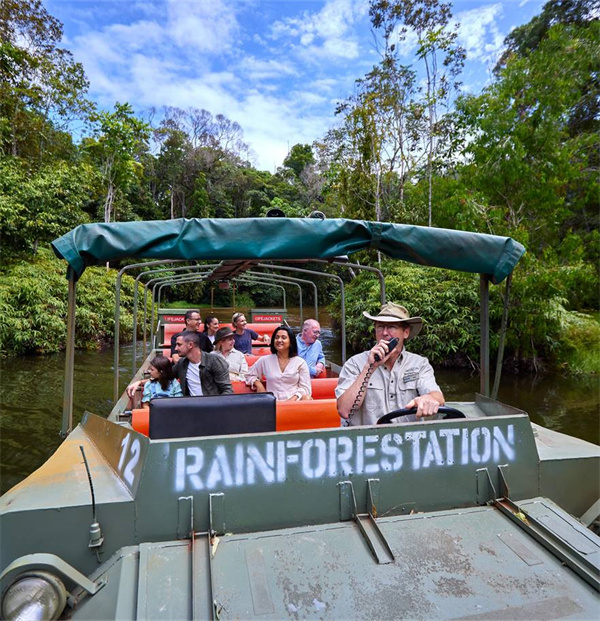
x=386, y=419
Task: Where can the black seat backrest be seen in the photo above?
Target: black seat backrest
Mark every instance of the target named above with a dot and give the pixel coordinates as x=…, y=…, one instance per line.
x=185, y=417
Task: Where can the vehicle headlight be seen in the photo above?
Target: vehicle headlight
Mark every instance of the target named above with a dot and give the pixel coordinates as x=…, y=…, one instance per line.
x=34, y=595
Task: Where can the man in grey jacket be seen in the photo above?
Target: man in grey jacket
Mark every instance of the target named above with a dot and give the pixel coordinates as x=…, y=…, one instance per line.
x=199, y=372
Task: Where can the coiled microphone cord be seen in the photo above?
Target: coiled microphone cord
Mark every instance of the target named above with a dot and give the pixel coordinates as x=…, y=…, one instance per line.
x=361, y=390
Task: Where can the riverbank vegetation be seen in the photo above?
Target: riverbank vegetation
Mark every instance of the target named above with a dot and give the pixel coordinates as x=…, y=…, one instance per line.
x=520, y=158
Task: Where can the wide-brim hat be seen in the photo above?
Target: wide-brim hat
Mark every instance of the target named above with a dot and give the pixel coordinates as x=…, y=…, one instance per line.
x=223, y=333
x=394, y=313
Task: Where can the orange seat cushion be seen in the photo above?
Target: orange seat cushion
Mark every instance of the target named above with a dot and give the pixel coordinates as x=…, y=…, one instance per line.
x=240, y=387
x=296, y=415
x=140, y=420
x=324, y=388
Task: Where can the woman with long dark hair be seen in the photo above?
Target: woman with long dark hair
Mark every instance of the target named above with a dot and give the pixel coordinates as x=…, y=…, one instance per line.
x=211, y=325
x=287, y=375
x=162, y=381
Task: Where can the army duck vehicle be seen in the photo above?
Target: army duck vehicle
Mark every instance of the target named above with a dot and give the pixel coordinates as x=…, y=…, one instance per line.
x=236, y=507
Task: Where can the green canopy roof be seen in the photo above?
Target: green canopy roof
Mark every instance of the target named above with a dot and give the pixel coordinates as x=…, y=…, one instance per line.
x=286, y=238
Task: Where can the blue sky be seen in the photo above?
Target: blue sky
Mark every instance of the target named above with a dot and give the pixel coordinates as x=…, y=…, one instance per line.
x=277, y=67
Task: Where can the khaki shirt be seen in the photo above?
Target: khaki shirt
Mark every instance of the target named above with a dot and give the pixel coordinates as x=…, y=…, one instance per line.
x=411, y=376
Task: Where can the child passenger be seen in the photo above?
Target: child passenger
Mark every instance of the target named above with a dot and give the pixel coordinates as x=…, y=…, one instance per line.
x=162, y=381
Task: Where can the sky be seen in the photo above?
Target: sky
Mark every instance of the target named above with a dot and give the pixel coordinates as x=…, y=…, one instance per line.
x=276, y=67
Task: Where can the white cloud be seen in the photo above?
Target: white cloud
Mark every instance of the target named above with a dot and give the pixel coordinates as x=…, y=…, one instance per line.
x=257, y=69
x=324, y=84
x=479, y=33
x=325, y=34
x=309, y=98
x=207, y=26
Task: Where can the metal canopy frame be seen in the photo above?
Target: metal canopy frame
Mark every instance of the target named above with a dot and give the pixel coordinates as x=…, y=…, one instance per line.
x=135, y=305
x=228, y=270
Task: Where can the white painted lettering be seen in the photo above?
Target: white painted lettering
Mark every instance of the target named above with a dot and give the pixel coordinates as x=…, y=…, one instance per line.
x=360, y=454
x=280, y=462
x=433, y=451
x=481, y=457
x=180, y=470
x=371, y=454
x=344, y=456
x=239, y=464
x=249, y=463
x=256, y=461
x=449, y=434
x=219, y=470
x=319, y=449
x=507, y=444
x=387, y=448
x=464, y=449
x=194, y=468
x=415, y=437
x=136, y=449
x=292, y=458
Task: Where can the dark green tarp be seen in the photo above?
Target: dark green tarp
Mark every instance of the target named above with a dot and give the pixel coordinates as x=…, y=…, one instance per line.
x=286, y=238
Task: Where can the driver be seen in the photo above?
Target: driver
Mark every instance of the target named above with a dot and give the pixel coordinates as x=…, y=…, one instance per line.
x=379, y=381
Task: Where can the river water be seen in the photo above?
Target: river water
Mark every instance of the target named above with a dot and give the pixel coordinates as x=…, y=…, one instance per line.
x=32, y=388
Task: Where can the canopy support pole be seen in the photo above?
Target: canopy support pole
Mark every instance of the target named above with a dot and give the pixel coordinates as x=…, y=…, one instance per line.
x=503, y=328
x=67, y=422
x=484, y=317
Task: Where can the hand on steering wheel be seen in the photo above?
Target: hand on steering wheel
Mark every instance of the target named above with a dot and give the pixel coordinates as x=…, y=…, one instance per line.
x=387, y=419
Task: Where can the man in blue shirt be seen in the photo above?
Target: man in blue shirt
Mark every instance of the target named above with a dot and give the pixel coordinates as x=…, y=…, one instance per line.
x=310, y=348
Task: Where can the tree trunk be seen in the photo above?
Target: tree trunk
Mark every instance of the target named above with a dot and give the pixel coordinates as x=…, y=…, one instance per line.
x=108, y=203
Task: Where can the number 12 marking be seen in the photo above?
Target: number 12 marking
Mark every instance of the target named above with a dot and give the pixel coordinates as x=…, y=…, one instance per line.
x=134, y=456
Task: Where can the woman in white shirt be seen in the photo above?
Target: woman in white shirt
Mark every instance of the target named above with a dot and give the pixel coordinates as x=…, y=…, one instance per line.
x=288, y=377
x=238, y=366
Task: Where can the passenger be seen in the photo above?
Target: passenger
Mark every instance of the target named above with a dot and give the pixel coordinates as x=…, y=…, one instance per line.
x=224, y=345
x=198, y=372
x=243, y=337
x=310, y=348
x=162, y=381
x=192, y=323
x=287, y=374
x=399, y=379
x=211, y=325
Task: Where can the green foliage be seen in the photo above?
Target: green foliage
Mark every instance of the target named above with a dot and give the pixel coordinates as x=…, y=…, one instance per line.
x=580, y=350
x=33, y=306
x=447, y=301
x=299, y=158
x=40, y=206
x=38, y=80
x=117, y=137
x=542, y=333
x=535, y=168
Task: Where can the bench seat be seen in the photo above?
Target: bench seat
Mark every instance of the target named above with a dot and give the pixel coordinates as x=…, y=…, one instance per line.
x=290, y=416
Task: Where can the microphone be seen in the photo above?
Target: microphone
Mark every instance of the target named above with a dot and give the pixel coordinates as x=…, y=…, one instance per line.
x=391, y=346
